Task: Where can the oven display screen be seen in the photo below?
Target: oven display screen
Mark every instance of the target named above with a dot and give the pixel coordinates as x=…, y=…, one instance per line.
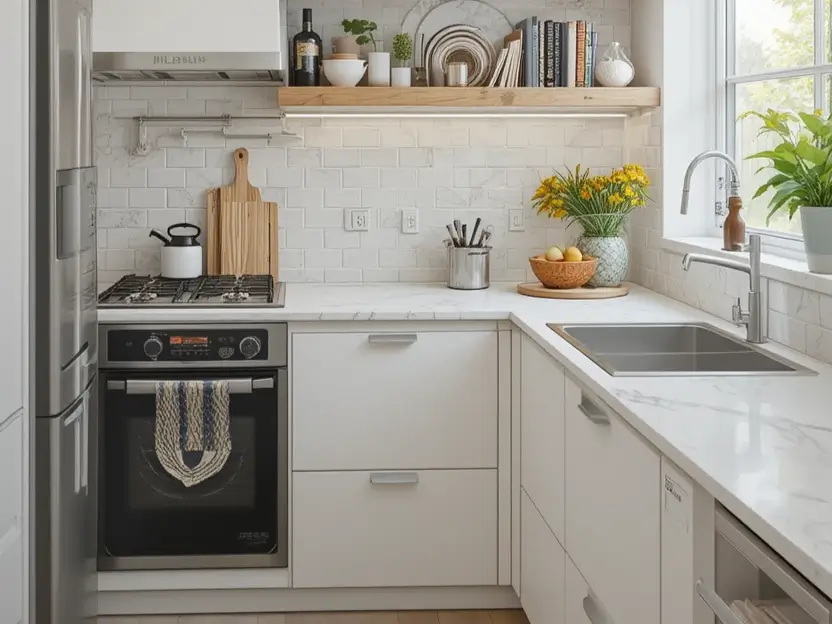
x=189, y=340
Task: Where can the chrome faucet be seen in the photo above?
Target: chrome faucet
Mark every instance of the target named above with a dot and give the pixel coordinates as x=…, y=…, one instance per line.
x=753, y=319
x=735, y=175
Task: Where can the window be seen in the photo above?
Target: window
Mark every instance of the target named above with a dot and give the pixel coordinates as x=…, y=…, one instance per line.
x=777, y=55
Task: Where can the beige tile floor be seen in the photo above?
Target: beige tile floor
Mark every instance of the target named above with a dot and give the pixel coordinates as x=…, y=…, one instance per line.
x=377, y=617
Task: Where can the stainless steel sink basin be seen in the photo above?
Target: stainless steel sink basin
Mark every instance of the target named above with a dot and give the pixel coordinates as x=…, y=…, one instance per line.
x=689, y=349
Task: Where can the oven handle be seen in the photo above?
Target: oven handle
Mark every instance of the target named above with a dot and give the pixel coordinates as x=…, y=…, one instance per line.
x=148, y=386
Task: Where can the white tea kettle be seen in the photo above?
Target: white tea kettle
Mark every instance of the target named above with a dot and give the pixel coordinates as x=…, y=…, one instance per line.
x=182, y=253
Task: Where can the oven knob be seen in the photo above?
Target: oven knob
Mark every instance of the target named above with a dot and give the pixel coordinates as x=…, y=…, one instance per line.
x=249, y=347
x=153, y=347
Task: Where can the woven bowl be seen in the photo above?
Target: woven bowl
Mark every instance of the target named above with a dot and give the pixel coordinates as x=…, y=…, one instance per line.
x=562, y=274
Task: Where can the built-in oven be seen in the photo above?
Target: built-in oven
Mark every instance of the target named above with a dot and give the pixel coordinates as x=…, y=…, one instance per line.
x=238, y=518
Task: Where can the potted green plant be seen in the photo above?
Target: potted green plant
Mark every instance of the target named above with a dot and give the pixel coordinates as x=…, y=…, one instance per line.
x=600, y=205
x=801, y=177
x=402, y=51
x=379, y=62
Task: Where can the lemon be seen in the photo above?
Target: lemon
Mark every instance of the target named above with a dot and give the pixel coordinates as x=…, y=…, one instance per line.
x=573, y=254
x=553, y=254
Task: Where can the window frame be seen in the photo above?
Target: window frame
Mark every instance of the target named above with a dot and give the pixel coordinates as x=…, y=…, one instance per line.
x=781, y=243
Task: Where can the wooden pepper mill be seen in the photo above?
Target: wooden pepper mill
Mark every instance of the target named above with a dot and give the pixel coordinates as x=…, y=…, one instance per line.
x=733, y=230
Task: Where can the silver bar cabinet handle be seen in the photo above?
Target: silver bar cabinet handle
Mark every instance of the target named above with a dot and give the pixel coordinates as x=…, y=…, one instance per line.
x=594, y=612
x=394, y=478
x=593, y=412
x=721, y=610
x=148, y=386
x=392, y=338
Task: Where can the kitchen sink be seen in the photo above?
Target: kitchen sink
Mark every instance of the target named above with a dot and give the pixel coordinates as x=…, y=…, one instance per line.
x=685, y=349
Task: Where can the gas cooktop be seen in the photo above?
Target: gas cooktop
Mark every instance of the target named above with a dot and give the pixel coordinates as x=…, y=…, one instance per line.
x=212, y=291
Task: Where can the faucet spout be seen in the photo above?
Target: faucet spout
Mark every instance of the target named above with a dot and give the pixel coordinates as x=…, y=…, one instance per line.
x=735, y=175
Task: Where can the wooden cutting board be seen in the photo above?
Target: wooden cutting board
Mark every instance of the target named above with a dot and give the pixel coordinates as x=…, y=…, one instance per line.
x=536, y=289
x=242, y=229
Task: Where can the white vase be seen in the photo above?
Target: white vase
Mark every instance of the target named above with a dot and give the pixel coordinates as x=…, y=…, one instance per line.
x=379, y=73
x=817, y=238
x=400, y=77
x=614, y=69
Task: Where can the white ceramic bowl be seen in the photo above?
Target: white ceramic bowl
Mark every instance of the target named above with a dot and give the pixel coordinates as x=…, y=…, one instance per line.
x=344, y=72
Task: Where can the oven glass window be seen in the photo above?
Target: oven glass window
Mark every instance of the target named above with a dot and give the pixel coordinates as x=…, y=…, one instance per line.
x=147, y=512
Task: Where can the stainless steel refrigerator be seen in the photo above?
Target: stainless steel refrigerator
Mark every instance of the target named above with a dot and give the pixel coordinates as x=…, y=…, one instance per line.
x=64, y=349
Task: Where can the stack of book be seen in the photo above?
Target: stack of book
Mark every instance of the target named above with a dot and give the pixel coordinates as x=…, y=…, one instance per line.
x=547, y=54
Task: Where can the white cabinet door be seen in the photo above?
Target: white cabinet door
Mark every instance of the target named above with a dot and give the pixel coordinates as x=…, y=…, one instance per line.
x=191, y=26
x=11, y=476
x=576, y=592
x=542, y=568
x=394, y=401
x=542, y=432
x=613, y=515
x=11, y=578
x=395, y=529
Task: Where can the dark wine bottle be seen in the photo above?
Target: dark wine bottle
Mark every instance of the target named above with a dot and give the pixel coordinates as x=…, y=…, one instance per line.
x=307, y=54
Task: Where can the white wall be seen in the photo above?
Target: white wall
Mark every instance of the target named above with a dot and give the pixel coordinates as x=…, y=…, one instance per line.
x=13, y=416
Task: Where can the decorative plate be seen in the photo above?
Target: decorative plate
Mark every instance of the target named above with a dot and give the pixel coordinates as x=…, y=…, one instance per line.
x=459, y=43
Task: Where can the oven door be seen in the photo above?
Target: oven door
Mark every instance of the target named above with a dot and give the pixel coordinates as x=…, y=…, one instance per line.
x=237, y=518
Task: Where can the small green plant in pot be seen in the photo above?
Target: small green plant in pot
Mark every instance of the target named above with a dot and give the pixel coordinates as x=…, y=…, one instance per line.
x=379, y=62
x=402, y=51
x=600, y=205
x=801, y=177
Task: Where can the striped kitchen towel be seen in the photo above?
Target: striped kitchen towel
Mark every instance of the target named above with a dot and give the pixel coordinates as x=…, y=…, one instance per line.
x=192, y=416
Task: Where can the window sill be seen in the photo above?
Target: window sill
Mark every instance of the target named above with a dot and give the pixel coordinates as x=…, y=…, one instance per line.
x=778, y=268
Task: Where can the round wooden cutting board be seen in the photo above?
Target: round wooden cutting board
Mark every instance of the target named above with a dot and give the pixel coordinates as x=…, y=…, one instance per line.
x=536, y=289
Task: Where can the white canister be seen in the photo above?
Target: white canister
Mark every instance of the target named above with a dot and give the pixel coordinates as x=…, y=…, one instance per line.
x=401, y=77
x=182, y=253
x=379, y=72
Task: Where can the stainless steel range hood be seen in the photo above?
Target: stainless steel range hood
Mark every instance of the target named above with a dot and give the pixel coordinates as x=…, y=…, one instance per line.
x=196, y=66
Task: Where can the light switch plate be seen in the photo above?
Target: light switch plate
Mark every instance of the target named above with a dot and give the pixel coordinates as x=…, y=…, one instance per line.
x=516, y=220
x=410, y=220
x=357, y=220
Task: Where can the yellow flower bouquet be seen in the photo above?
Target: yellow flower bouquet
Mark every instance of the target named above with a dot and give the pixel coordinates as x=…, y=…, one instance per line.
x=600, y=204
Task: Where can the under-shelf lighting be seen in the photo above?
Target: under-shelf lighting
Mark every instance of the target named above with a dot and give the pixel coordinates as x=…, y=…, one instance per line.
x=457, y=115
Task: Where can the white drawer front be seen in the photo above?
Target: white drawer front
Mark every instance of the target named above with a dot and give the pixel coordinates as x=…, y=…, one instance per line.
x=542, y=571
x=439, y=531
x=613, y=515
x=11, y=577
x=394, y=401
x=11, y=477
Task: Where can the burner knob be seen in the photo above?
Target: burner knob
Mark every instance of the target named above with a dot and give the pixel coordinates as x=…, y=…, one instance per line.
x=153, y=347
x=249, y=347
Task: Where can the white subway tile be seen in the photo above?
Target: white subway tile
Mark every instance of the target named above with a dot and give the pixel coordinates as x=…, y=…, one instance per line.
x=289, y=217
x=398, y=136
x=397, y=258
x=466, y=157
x=301, y=275
x=282, y=177
x=205, y=139
x=417, y=197
x=183, y=157
x=591, y=136
x=322, y=258
x=148, y=198
x=361, y=259
x=128, y=177
x=304, y=238
x=819, y=343
x=322, y=137
x=379, y=197
x=204, y=178
x=303, y=158
x=441, y=135
x=163, y=218
x=787, y=331
x=487, y=178
x=343, y=275
x=305, y=198
x=342, y=198
x=340, y=239
x=186, y=108
x=149, y=261
x=494, y=135
x=361, y=137
x=434, y=178
x=186, y=198
x=323, y=217
x=158, y=92
x=342, y=157
x=362, y=177
x=380, y=275
x=120, y=260
x=112, y=198
x=794, y=302
x=826, y=311
x=129, y=108
x=415, y=157
x=380, y=238
x=432, y=258
x=422, y=275
x=398, y=178
x=453, y=197
x=379, y=157
x=108, y=218
x=322, y=178
x=166, y=178
x=290, y=259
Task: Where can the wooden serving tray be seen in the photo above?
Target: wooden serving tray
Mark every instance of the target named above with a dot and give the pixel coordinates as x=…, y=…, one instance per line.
x=536, y=289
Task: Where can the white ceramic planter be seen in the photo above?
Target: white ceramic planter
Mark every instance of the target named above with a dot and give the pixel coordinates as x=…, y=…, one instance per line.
x=379, y=73
x=400, y=77
x=817, y=238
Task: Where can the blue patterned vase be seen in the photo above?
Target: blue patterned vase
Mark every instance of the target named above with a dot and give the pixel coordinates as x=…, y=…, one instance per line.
x=612, y=255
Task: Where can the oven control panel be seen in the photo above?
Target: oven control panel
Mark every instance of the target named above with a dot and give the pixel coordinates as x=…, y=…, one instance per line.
x=188, y=345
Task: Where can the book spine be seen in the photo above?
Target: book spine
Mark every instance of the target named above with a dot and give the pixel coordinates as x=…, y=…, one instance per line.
x=588, y=55
x=572, y=47
x=535, y=51
x=580, y=67
x=541, y=53
x=562, y=61
x=552, y=53
x=594, y=57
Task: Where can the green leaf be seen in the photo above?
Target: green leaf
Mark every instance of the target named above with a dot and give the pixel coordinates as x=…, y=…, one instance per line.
x=815, y=125
x=807, y=151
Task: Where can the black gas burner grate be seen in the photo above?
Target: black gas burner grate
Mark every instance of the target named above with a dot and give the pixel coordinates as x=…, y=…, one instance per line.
x=209, y=290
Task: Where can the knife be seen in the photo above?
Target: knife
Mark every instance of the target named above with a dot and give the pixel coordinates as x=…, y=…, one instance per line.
x=474, y=231
x=453, y=236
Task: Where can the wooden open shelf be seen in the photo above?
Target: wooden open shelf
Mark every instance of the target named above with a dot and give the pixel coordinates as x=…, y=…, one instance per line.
x=568, y=100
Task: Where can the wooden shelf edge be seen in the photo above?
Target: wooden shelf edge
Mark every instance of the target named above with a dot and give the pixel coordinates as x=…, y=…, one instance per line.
x=591, y=99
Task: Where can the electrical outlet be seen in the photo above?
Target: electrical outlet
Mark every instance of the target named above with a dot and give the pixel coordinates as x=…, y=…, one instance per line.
x=357, y=220
x=410, y=220
x=516, y=220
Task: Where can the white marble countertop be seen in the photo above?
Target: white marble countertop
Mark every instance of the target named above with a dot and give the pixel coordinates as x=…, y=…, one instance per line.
x=762, y=446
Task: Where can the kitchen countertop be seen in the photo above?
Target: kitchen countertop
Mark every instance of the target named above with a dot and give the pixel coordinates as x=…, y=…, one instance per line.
x=762, y=446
